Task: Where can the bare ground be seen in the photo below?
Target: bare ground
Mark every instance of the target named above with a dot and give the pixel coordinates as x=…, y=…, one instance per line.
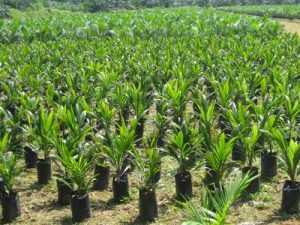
x=290, y=25
x=39, y=207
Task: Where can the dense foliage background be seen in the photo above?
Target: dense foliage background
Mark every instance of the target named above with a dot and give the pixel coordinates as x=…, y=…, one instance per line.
x=106, y=5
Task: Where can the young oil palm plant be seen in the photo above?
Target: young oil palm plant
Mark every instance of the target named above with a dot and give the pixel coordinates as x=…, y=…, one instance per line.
x=291, y=114
x=104, y=114
x=101, y=169
x=207, y=116
x=176, y=95
x=12, y=122
x=117, y=153
x=224, y=97
x=10, y=169
x=140, y=104
x=119, y=98
x=290, y=158
x=162, y=121
x=239, y=122
x=31, y=104
x=41, y=128
x=73, y=142
x=217, y=160
x=214, y=206
x=183, y=147
x=77, y=167
x=268, y=155
x=250, y=142
x=148, y=162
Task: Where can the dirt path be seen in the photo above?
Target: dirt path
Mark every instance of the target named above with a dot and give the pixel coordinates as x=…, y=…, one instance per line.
x=291, y=25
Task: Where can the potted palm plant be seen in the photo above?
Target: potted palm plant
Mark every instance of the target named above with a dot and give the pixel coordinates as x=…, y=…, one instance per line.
x=117, y=153
x=217, y=160
x=101, y=169
x=148, y=163
x=76, y=130
x=239, y=123
x=9, y=171
x=28, y=103
x=41, y=128
x=249, y=142
x=290, y=157
x=183, y=147
x=77, y=167
x=269, y=157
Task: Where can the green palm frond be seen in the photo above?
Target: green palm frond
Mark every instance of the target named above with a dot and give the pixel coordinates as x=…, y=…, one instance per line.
x=214, y=206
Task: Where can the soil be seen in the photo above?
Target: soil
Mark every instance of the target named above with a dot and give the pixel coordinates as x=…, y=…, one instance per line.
x=39, y=203
x=290, y=25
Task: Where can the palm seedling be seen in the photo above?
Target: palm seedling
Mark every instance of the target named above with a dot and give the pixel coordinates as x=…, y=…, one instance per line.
x=161, y=121
x=41, y=128
x=217, y=160
x=104, y=114
x=12, y=122
x=140, y=103
x=77, y=167
x=117, y=153
x=148, y=162
x=250, y=144
x=9, y=171
x=206, y=115
x=119, y=99
x=183, y=147
x=101, y=170
x=239, y=123
x=11, y=92
x=214, y=206
x=30, y=104
x=269, y=156
x=291, y=114
x=224, y=95
x=176, y=95
x=290, y=158
x=72, y=142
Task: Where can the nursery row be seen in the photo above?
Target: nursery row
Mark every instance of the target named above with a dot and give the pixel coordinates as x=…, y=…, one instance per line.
x=117, y=91
x=77, y=148
x=275, y=11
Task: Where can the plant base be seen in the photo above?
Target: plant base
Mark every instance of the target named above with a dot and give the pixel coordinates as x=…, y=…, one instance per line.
x=290, y=197
x=148, y=208
x=101, y=178
x=80, y=206
x=10, y=207
x=184, y=187
x=120, y=187
x=254, y=185
x=268, y=164
x=44, y=171
x=64, y=193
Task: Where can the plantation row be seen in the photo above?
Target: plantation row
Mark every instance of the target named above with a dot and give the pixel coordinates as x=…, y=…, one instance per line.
x=275, y=11
x=119, y=91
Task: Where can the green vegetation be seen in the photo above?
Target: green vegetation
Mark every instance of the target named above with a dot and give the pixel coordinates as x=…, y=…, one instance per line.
x=276, y=11
x=136, y=87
